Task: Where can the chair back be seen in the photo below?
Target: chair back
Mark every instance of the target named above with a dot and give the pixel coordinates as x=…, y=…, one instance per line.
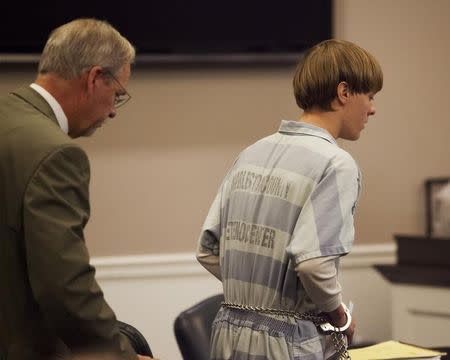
x=137, y=340
x=193, y=328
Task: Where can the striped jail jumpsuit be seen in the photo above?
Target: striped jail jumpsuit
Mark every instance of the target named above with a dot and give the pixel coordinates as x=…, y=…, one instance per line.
x=288, y=198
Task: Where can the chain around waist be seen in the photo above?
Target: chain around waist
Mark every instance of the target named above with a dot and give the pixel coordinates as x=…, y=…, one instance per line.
x=314, y=318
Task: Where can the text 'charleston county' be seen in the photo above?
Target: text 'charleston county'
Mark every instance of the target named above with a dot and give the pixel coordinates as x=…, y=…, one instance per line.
x=267, y=184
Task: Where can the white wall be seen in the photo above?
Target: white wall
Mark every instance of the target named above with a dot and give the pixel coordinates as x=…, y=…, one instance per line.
x=157, y=166
x=407, y=140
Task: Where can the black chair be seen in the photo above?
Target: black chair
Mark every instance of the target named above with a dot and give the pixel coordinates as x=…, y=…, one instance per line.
x=193, y=328
x=137, y=340
x=445, y=349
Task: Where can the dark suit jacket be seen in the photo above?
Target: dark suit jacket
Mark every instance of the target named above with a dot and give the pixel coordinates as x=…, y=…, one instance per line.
x=50, y=302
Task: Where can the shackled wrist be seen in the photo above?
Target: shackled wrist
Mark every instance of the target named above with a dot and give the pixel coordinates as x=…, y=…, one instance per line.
x=349, y=319
x=327, y=327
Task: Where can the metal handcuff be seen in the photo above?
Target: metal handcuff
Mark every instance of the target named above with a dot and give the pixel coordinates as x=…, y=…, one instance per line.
x=337, y=333
x=327, y=327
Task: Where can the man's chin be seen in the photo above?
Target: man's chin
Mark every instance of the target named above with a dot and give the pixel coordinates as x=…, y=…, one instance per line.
x=90, y=131
x=351, y=137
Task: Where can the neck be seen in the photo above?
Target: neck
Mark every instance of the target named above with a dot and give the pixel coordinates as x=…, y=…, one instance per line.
x=61, y=89
x=327, y=120
x=65, y=91
x=323, y=120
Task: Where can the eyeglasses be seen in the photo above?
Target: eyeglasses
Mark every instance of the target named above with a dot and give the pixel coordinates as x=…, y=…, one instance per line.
x=124, y=96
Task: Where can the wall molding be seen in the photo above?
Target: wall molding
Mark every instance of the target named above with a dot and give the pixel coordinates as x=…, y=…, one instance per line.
x=185, y=264
x=363, y=256
x=146, y=266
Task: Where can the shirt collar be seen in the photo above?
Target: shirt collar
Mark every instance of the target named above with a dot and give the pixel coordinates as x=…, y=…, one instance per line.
x=302, y=128
x=57, y=109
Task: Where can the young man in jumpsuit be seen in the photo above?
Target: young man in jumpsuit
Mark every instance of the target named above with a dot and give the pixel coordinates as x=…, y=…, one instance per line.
x=284, y=216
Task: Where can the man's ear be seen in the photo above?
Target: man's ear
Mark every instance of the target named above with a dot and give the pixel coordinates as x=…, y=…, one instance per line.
x=93, y=76
x=343, y=92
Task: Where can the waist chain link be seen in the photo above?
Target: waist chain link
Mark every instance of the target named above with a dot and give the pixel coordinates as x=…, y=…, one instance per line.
x=337, y=337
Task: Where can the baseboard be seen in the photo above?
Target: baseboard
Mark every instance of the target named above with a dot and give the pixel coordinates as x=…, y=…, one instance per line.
x=185, y=263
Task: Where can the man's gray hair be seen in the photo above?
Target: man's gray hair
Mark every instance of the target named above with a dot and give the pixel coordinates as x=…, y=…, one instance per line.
x=80, y=44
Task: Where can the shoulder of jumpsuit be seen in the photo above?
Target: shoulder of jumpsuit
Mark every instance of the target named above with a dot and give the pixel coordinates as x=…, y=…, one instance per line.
x=292, y=127
x=329, y=147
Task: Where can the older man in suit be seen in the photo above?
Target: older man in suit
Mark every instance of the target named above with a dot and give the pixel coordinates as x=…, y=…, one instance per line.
x=50, y=303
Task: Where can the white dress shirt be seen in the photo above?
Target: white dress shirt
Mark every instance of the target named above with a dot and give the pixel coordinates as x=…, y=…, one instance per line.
x=57, y=109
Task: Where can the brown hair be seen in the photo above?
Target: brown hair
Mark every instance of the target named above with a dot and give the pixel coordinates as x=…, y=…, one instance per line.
x=326, y=65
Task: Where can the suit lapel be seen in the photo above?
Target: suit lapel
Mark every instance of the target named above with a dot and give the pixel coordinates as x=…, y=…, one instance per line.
x=32, y=97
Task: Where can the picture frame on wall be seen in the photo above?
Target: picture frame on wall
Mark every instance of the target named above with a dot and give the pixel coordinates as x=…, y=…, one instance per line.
x=433, y=210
